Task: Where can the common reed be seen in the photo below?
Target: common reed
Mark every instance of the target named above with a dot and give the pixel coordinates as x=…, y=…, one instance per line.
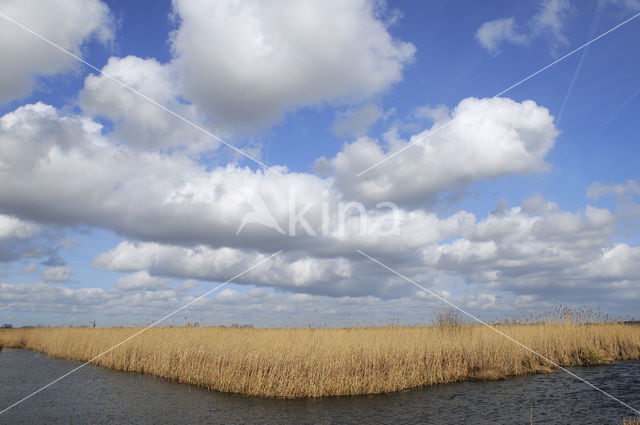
x=307, y=362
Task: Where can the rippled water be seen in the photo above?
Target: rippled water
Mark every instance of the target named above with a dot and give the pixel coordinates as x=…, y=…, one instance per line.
x=97, y=395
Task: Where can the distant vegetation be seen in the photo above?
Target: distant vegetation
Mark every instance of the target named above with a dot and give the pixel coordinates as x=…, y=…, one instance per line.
x=307, y=362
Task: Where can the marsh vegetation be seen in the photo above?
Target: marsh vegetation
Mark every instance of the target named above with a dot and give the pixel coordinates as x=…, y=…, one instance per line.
x=307, y=362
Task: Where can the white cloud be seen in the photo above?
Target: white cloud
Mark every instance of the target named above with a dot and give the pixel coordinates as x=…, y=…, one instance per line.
x=539, y=253
x=187, y=285
x=356, y=122
x=68, y=23
x=29, y=268
x=439, y=113
x=12, y=227
x=541, y=250
x=23, y=136
x=485, y=141
x=76, y=175
x=494, y=33
x=287, y=271
x=549, y=21
x=139, y=123
x=247, y=62
x=56, y=274
x=244, y=64
x=627, y=197
x=598, y=190
x=620, y=262
x=18, y=239
x=257, y=306
x=141, y=280
x=181, y=219
x=46, y=297
x=548, y=254
x=628, y=4
x=68, y=244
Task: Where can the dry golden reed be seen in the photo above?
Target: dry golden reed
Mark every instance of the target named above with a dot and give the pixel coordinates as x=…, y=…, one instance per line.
x=330, y=362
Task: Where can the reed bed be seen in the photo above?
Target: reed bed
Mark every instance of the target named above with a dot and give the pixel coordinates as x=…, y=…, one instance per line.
x=293, y=363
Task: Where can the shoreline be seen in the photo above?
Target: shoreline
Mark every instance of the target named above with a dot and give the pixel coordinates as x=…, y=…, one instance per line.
x=258, y=397
x=303, y=363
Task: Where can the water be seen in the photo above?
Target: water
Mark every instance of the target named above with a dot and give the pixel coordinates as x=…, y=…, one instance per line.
x=96, y=395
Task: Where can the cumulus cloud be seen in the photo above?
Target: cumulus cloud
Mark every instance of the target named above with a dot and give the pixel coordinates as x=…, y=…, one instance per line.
x=492, y=34
x=141, y=280
x=619, y=263
x=356, y=122
x=187, y=285
x=628, y=4
x=139, y=123
x=68, y=23
x=182, y=219
x=536, y=249
x=17, y=239
x=597, y=190
x=247, y=62
x=46, y=297
x=56, y=274
x=549, y=21
x=12, y=227
x=627, y=197
x=291, y=272
x=478, y=141
x=29, y=268
x=242, y=65
x=75, y=175
x=538, y=252
x=257, y=306
x=191, y=215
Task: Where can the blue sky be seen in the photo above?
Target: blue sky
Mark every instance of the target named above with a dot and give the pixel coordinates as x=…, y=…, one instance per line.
x=516, y=206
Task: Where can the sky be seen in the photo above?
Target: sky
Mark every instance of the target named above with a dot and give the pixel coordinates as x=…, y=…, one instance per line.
x=152, y=151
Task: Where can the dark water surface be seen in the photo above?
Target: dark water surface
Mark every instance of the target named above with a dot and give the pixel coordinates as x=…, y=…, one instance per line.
x=99, y=396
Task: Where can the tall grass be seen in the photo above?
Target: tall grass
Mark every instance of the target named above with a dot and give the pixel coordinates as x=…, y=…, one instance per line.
x=328, y=362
